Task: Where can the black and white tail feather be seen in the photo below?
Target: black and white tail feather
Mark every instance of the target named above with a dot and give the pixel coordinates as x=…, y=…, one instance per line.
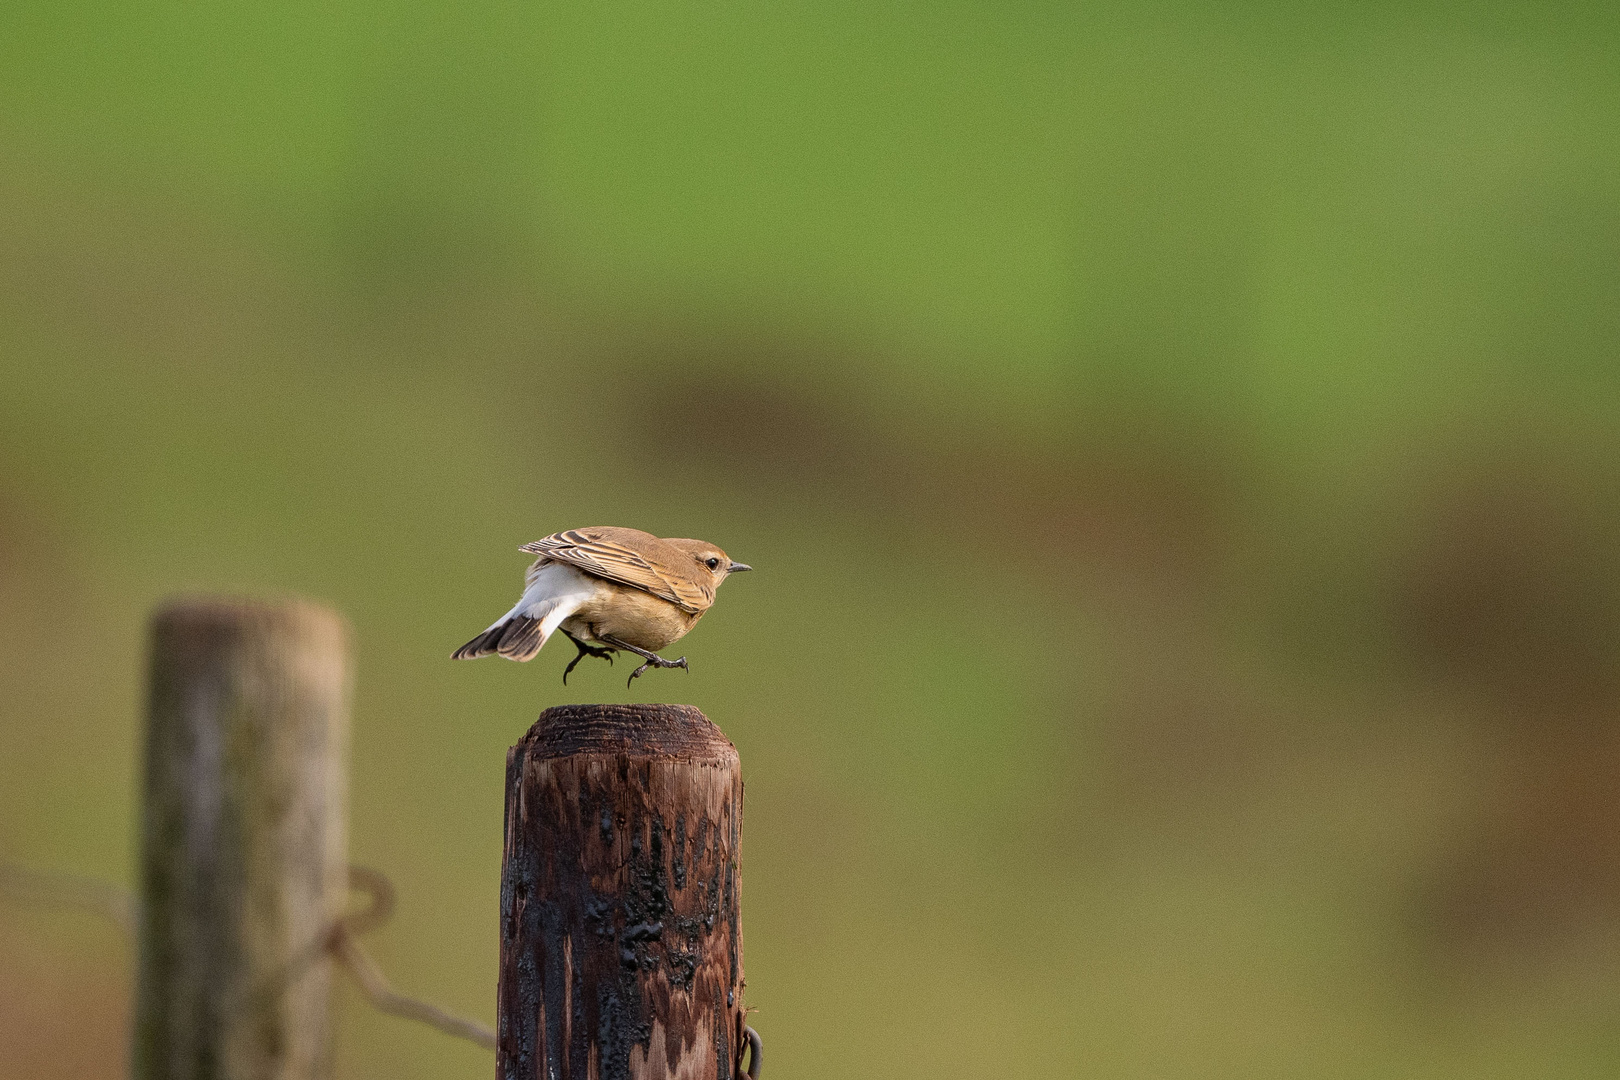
x=553, y=591
x=515, y=637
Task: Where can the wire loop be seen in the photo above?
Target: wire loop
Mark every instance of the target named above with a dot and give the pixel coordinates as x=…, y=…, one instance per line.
x=756, y=1050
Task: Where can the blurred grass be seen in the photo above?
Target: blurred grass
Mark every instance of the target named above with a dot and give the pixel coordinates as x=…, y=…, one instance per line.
x=1178, y=447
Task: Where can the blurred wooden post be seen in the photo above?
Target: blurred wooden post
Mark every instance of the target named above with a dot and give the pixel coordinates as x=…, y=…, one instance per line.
x=621, y=953
x=243, y=860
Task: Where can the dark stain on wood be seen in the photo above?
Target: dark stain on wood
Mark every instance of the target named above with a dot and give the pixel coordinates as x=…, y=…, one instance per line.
x=621, y=949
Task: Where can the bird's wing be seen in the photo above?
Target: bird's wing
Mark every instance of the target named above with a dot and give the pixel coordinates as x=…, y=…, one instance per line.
x=612, y=553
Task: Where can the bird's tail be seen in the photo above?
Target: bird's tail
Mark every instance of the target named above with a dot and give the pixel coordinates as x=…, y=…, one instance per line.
x=516, y=638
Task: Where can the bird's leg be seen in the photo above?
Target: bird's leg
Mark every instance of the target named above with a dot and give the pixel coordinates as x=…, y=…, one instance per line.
x=652, y=658
x=584, y=651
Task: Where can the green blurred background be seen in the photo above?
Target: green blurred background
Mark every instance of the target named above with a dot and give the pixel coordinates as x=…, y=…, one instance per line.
x=1178, y=444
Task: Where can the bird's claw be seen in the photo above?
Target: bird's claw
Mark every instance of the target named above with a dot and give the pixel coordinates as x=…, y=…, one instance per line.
x=654, y=660
x=584, y=651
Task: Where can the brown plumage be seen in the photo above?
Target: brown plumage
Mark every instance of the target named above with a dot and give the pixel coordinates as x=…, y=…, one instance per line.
x=620, y=588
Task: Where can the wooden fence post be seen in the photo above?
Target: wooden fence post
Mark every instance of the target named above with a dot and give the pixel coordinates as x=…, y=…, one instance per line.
x=243, y=860
x=621, y=950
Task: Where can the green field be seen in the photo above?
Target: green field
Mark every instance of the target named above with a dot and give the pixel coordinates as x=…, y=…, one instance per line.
x=1180, y=448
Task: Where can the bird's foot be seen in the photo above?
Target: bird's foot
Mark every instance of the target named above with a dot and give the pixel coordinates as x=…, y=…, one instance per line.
x=584, y=651
x=652, y=659
x=658, y=661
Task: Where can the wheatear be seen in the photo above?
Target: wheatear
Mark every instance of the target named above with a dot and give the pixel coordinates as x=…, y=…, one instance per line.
x=622, y=588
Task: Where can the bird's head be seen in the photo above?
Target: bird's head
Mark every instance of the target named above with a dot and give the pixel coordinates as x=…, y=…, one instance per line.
x=713, y=565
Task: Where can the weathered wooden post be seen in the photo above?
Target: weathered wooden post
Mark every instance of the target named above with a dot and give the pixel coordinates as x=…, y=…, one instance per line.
x=621, y=949
x=243, y=840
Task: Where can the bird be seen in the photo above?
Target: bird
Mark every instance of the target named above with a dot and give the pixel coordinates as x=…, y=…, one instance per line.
x=608, y=589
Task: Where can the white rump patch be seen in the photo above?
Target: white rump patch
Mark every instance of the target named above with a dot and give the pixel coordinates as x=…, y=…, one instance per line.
x=554, y=591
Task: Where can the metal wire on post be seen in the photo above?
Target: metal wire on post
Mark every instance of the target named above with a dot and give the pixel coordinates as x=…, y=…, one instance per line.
x=345, y=947
x=756, y=1052
x=68, y=892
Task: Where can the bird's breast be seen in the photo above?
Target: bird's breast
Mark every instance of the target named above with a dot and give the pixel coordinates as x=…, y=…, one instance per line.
x=634, y=617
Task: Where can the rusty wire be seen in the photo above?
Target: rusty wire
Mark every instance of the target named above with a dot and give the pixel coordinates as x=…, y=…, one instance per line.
x=756, y=1051
x=343, y=943
x=37, y=888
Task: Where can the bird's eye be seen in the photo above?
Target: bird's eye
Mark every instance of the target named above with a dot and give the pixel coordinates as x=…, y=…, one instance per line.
x=712, y=563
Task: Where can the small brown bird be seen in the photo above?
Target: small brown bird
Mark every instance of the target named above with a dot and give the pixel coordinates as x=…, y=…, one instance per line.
x=621, y=588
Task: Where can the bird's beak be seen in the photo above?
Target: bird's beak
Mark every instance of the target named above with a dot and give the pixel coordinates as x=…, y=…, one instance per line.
x=737, y=566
